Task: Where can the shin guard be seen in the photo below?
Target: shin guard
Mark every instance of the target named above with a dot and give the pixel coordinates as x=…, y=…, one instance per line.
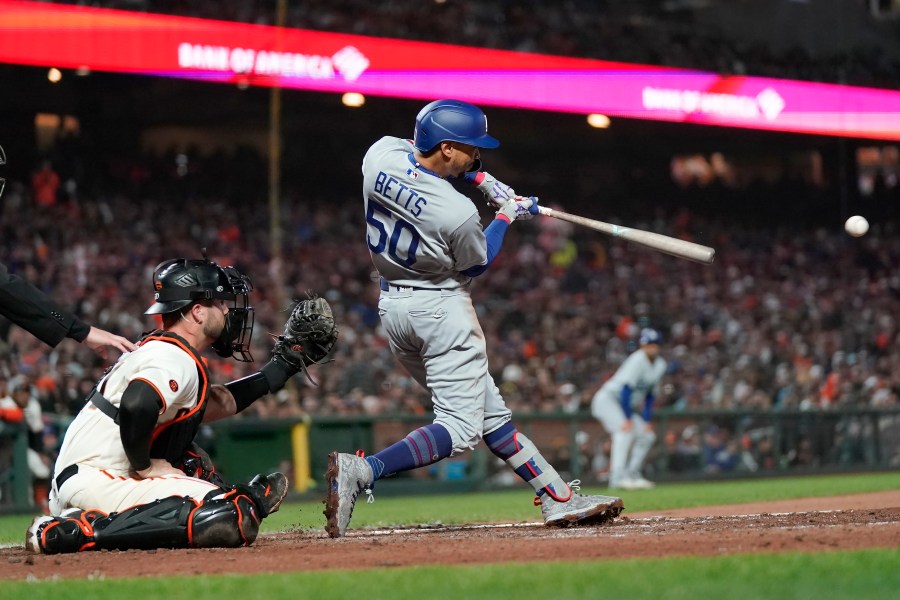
x=224, y=519
x=159, y=524
x=527, y=461
x=224, y=522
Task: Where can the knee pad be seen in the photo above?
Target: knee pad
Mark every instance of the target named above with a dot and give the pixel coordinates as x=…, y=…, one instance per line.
x=227, y=522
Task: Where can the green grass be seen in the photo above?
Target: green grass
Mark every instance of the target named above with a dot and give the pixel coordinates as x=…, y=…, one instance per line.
x=869, y=574
x=516, y=505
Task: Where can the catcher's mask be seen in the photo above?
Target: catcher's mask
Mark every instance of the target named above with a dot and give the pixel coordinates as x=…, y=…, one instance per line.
x=179, y=283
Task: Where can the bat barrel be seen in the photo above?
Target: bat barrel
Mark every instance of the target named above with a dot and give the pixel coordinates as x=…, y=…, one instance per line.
x=656, y=241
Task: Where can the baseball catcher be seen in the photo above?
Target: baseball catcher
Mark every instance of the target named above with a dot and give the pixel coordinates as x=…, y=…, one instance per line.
x=128, y=475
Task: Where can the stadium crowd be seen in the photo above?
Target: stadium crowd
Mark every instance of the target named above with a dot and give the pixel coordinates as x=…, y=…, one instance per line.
x=789, y=317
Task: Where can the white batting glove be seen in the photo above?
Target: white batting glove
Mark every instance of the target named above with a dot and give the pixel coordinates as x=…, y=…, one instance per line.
x=520, y=208
x=493, y=189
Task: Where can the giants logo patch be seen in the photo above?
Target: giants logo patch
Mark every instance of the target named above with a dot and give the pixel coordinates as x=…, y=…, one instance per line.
x=173, y=385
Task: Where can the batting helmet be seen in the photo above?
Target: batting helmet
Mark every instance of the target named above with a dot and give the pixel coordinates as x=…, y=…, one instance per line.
x=453, y=121
x=180, y=282
x=649, y=336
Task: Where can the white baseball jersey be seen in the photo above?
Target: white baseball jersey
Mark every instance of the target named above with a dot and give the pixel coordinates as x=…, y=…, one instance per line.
x=419, y=229
x=638, y=373
x=93, y=438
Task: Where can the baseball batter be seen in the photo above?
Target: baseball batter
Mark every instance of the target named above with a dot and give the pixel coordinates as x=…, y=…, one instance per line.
x=128, y=474
x=625, y=405
x=426, y=240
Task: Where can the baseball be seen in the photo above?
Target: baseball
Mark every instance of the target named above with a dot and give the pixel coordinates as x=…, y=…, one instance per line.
x=856, y=226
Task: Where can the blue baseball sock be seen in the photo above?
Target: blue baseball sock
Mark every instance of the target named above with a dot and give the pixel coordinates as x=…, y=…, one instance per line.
x=424, y=446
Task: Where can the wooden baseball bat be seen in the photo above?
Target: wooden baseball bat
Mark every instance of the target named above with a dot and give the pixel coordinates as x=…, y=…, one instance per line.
x=655, y=241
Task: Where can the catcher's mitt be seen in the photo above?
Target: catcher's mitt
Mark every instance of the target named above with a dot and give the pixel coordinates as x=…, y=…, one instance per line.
x=309, y=334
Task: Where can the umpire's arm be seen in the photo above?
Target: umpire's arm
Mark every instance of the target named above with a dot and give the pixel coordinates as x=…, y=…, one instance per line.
x=34, y=311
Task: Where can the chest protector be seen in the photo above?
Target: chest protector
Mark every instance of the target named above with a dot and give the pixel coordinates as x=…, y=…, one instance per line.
x=172, y=439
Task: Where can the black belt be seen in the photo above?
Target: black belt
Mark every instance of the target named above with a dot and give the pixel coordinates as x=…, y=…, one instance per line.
x=386, y=287
x=64, y=475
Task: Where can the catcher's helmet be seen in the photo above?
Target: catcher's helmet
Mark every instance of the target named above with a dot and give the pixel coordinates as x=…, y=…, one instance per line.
x=454, y=121
x=179, y=283
x=650, y=336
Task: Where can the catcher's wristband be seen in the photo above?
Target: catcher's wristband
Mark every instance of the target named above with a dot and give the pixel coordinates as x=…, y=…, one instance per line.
x=269, y=379
x=277, y=372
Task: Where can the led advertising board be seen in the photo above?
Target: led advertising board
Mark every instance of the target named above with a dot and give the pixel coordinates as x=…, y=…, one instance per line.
x=66, y=36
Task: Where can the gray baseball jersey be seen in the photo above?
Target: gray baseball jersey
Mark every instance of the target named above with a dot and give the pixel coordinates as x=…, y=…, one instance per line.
x=420, y=230
x=421, y=234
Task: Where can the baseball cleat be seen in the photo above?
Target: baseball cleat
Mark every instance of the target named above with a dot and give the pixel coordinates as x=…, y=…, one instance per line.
x=56, y=535
x=347, y=476
x=579, y=510
x=271, y=492
x=33, y=535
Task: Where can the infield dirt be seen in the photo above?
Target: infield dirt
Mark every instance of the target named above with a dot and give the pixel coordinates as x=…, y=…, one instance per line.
x=814, y=524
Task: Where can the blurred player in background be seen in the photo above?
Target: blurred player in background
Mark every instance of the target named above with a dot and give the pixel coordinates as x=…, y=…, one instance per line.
x=22, y=406
x=426, y=240
x=128, y=474
x=625, y=405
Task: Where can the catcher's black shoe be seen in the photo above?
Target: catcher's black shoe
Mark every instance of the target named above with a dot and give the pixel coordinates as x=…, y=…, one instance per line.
x=71, y=532
x=268, y=492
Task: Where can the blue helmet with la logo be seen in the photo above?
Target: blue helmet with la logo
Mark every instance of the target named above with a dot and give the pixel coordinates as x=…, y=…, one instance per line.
x=451, y=121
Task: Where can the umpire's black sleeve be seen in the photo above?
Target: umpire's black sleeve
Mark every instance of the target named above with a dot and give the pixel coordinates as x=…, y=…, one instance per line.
x=32, y=310
x=138, y=414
